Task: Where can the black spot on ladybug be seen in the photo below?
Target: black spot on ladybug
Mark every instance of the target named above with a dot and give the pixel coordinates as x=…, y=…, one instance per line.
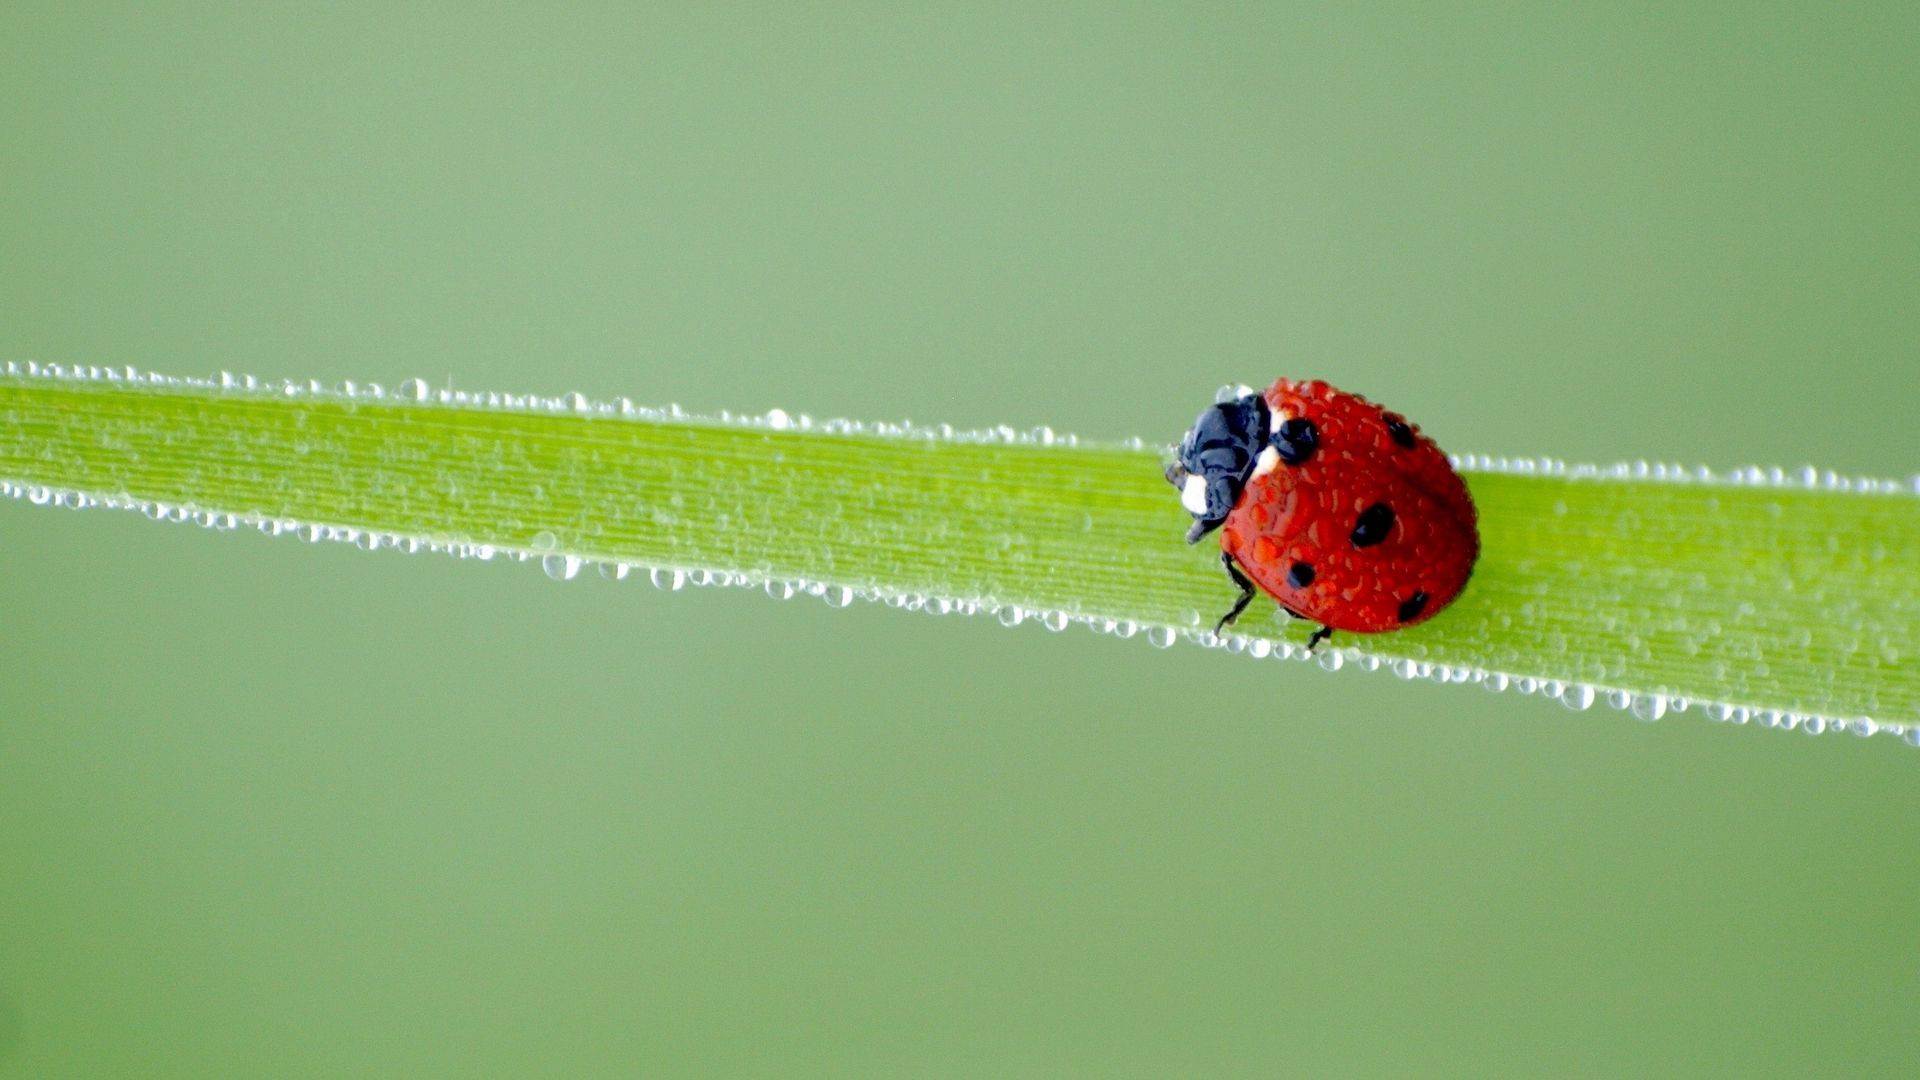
x=1300, y=575
x=1375, y=523
x=1296, y=440
x=1401, y=433
x=1415, y=604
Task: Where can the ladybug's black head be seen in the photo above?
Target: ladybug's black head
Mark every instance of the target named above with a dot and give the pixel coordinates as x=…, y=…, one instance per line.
x=1216, y=458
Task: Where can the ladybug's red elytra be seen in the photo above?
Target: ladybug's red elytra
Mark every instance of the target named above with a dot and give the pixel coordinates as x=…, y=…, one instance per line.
x=1341, y=511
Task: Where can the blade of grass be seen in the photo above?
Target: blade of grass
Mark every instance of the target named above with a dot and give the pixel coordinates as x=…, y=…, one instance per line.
x=1793, y=601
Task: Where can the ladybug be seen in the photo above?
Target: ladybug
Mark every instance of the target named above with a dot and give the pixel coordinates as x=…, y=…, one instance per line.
x=1341, y=511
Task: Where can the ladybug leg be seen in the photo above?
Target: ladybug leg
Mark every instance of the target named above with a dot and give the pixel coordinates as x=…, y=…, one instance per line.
x=1246, y=592
x=1319, y=636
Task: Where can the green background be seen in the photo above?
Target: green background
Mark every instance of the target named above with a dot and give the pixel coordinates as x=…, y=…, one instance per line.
x=275, y=809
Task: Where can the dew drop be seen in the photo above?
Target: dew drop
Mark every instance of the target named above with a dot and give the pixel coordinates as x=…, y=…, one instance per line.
x=614, y=571
x=779, y=590
x=667, y=580
x=1333, y=660
x=1650, y=707
x=1055, y=621
x=1578, y=697
x=837, y=596
x=1160, y=637
x=560, y=567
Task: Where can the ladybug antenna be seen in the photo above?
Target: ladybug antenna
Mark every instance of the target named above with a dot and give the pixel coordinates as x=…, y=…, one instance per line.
x=1216, y=458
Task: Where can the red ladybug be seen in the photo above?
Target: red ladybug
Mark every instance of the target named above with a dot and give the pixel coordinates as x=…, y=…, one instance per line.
x=1341, y=511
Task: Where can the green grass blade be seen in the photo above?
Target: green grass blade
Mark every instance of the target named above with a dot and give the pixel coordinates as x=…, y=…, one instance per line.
x=1788, y=600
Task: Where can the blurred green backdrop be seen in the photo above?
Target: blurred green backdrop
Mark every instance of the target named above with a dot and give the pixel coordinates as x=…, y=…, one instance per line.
x=270, y=809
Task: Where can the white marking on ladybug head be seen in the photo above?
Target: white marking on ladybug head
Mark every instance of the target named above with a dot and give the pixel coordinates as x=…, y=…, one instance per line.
x=1275, y=419
x=1268, y=461
x=1193, y=495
